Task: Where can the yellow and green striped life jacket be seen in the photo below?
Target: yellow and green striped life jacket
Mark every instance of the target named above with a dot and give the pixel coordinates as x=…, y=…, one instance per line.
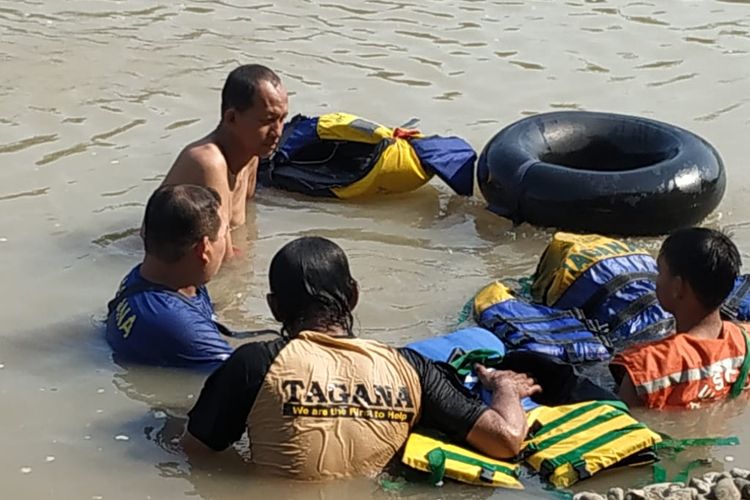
x=447, y=460
x=572, y=442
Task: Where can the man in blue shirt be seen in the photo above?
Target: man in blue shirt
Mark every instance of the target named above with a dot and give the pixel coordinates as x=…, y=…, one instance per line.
x=162, y=313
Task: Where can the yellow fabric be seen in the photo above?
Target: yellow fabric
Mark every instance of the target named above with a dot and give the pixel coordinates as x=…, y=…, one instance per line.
x=490, y=295
x=418, y=446
x=568, y=256
x=606, y=455
x=346, y=127
x=398, y=170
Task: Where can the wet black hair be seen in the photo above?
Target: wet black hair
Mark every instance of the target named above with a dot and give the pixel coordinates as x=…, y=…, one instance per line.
x=310, y=280
x=178, y=217
x=705, y=258
x=241, y=84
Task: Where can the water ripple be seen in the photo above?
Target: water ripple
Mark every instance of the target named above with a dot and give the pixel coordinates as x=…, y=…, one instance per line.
x=33, y=192
x=27, y=143
x=716, y=114
x=661, y=64
x=676, y=79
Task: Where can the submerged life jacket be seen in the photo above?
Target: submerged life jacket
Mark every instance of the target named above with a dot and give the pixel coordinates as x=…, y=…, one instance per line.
x=521, y=325
x=573, y=442
x=441, y=460
x=736, y=307
x=611, y=281
x=343, y=156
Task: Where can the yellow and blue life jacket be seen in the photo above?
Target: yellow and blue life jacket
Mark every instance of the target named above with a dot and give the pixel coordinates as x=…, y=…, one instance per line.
x=343, y=156
x=611, y=281
x=521, y=325
x=573, y=442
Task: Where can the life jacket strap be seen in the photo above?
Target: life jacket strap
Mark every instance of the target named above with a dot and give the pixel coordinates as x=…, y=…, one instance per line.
x=633, y=309
x=515, y=336
x=437, y=458
x=464, y=364
x=659, y=473
x=613, y=286
x=543, y=429
x=538, y=446
x=678, y=445
x=549, y=465
x=739, y=384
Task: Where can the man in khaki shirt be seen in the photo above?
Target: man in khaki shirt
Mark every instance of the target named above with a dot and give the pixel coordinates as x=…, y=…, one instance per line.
x=319, y=403
x=254, y=105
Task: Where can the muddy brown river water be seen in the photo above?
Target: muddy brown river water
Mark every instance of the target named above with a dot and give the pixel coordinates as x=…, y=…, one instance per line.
x=97, y=97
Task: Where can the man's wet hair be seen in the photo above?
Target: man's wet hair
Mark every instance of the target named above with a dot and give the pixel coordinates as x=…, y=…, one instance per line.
x=178, y=217
x=241, y=85
x=311, y=281
x=707, y=259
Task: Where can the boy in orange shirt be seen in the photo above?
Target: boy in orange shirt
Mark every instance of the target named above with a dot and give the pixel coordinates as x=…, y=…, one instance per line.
x=697, y=269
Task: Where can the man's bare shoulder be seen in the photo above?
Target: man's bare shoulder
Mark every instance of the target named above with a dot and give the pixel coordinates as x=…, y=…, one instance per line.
x=198, y=161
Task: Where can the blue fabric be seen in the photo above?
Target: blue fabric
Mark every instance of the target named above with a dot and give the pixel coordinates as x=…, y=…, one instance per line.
x=451, y=158
x=297, y=134
x=579, y=292
x=448, y=347
x=528, y=404
x=565, y=335
x=737, y=305
x=156, y=328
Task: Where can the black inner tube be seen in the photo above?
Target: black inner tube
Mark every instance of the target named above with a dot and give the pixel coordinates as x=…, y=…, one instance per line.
x=600, y=172
x=601, y=154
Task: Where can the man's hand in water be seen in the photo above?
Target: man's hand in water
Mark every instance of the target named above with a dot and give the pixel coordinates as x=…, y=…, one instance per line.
x=494, y=380
x=500, y=432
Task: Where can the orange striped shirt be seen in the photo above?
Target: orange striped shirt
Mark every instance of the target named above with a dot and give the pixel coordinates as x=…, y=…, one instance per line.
x=683, y=369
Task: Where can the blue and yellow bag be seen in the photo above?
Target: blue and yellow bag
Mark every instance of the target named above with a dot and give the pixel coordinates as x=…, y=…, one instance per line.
x=611, y=281
x=521, y=325
x=343, y=156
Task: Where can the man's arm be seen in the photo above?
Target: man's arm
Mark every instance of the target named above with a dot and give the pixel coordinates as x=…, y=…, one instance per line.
x=215, y=176
x=252, y=178
x=625, y=387
x=219, y=416
x=449, y=407
x=204, y=166
x=500, y=431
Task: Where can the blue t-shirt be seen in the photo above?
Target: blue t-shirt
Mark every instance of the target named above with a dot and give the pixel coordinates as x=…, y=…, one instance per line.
x=156, y=327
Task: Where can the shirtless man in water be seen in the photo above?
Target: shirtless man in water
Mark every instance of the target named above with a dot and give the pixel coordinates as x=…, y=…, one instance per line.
x=254, y=105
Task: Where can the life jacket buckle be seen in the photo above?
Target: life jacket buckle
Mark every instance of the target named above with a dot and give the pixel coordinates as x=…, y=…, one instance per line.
x=487, y=475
